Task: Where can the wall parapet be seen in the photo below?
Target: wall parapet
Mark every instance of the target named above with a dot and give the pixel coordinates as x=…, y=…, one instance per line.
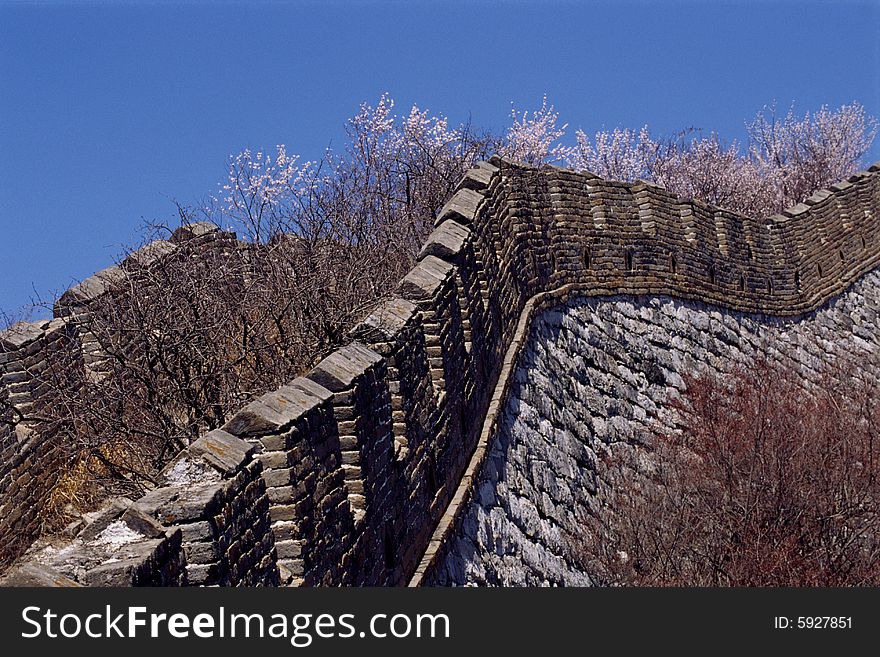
x=33, y=452
x=205, y=524
x=365, y=459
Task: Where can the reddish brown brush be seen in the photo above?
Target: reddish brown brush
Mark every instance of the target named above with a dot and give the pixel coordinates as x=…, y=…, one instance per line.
x=771, y=483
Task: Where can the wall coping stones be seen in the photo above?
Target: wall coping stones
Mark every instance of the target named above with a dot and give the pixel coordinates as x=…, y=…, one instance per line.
x=338, y=371
x=386, y=322
x=817, y=196
x=294, y=400
x=312, y=388
x=112, y=277
x=796, y=210
x=278, y=409
x=446, y=241
x=462, y=207
x=222, y=451
x=423, y=280
x=478, y=177
x=256, y=419
x=172, y=505
x=197, y=497
x=93, y=287
x=150, y=253
x=193, y=230
x=22, y=334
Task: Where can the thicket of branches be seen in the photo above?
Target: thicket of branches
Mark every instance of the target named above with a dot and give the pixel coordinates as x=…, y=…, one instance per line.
x=194, y=338
x=785, y=159
x=767, y=485
x=196, y=334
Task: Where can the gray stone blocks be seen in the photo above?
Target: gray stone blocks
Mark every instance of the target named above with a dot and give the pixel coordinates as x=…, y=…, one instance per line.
x=447, y=241
x=318, y=481
x=462, y=207
x=423, y=280
x=339, y=370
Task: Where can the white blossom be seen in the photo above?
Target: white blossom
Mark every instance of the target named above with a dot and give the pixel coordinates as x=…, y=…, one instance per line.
x=621, y=154
x=534, y=138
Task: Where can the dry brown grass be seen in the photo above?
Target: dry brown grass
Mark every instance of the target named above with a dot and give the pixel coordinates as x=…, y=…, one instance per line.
x=79, y=488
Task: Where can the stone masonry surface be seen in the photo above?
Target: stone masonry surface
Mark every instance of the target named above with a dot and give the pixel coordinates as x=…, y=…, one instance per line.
x=361, y=470
x=594, y=378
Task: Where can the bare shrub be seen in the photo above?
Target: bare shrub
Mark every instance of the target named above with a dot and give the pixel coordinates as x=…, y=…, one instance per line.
x=189, y=337
x=192, y=336
x=785, y=160
x=767, y=485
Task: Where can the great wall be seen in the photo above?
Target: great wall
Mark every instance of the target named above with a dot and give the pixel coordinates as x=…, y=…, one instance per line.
x=453, y=440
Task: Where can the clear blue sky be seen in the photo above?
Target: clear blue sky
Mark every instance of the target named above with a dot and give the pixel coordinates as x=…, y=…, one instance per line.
x=110, y=112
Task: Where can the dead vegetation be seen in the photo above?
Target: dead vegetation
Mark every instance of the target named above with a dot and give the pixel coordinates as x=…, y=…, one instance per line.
x=767, y=485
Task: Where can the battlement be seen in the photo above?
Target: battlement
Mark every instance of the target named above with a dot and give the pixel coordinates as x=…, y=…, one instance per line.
x=365, y=459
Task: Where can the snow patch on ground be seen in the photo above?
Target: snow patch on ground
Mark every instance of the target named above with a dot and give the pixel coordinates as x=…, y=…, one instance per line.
x=117, y=533
x=188, y=471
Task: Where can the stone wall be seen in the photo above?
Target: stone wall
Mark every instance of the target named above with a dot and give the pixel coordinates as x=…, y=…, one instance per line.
x=369, y=461
x=206, y=524
x=31, y=454
x=594, y=379
x=33, y=354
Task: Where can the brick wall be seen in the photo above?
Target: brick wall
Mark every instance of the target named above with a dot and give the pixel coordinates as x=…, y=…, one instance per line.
x=360, y=459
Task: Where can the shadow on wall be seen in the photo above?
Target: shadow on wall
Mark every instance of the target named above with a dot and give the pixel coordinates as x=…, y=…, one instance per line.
x=592, y=386
x=365, y=455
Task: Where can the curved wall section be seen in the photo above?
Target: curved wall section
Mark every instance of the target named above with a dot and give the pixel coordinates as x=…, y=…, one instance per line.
x=592, y=384
x=368, y=462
